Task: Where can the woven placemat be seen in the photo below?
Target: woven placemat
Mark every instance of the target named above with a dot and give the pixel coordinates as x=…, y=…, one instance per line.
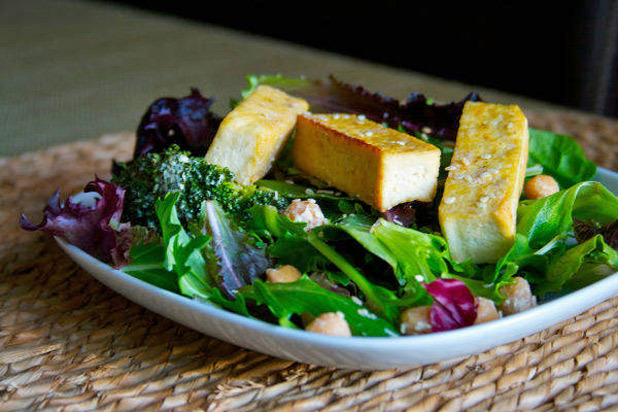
x=68, y=342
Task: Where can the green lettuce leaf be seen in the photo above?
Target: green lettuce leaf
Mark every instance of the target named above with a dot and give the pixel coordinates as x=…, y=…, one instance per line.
x=279, y=81
x=268, y=222
x=306, y=296
x=148, y=265
x=560, y=156
x=183, y=252
x=580, y=266
x=545, y=225
x=414, y=256
x=543, y=219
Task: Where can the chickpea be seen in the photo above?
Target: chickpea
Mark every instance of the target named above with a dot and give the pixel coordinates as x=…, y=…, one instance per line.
x=519, y=297
x=283, y=274
x=307, y=211
x=485, y=311
x=330, y=323
x=540, y=186
x=415, y=321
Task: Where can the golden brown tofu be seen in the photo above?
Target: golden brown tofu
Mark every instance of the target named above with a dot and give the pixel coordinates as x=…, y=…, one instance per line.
x=486, y=176
x=381, y=166
x=251, y=136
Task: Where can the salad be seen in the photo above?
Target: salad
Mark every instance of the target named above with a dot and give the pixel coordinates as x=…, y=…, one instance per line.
x=285, y=246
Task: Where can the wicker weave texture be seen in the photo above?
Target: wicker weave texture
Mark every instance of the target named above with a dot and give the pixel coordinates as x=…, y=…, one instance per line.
x=68, y=342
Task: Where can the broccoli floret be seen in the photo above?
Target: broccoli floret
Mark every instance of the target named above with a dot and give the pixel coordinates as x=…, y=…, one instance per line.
x=150, y=177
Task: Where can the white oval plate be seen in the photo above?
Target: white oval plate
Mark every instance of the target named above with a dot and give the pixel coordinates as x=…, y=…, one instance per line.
x=356, y=352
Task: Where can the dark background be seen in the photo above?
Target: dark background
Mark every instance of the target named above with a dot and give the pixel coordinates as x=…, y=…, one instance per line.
x=562, y=52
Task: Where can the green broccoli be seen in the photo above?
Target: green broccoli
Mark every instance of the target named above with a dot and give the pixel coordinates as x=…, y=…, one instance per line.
x=149, y=178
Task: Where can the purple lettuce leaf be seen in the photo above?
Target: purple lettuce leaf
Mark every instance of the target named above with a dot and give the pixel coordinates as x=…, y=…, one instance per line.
x=437, y=120
x=410, y=213
x=403, y=214
x=89, y=220
x=585, y=230
x=238, y=261
x=333, y=96
x=454, y=306
x=186, y=122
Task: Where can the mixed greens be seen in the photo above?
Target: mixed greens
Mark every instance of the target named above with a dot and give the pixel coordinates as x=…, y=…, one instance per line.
x=171, y=219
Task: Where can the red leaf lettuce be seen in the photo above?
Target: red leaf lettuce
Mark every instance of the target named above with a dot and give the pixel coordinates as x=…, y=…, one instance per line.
x=89, y=220
x=186, y=122
x=331, y=95
x=454, y=306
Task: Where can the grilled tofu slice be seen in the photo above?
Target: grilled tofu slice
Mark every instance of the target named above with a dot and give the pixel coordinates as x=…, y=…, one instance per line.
x=252, y=135
x=479, y=206
x=381, y=166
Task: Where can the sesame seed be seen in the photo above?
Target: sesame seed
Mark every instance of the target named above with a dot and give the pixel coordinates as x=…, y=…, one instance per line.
x=390, y=332
x=366, y=314
x=449, y=200
x=369, y=134
x=419, y=278
x=484, y=199
x=486, y=156
x=427, y=130
x=452, y=167
x=485, y=175
x=361, y=117
x=465, y=161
